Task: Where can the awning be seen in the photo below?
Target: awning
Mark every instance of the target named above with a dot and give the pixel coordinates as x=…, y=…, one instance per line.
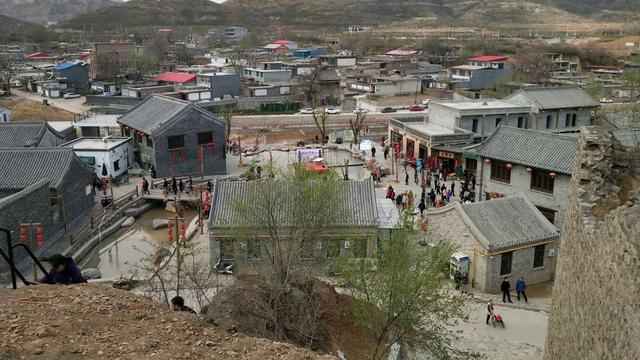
x=469, y=154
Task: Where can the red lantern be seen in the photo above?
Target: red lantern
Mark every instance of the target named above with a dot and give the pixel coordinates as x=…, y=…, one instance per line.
x=529, y=169
x=40, y=237
x=170, y=231
x=23, y=234
x=183, y=231
x=487, y=161
x=552, y=174
x=509, y=166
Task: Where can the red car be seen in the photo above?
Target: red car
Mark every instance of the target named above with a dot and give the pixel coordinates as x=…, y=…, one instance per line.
x=416, y=107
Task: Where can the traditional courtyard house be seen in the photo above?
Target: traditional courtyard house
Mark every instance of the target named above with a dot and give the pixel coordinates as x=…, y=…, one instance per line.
x=538, y=164
x=49, y=186
x=175, y=137
x=505, y=237
x=353, y=235
x=558, y=109
x=28, y=134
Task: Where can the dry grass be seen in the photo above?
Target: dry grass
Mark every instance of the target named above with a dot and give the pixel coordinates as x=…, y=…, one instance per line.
x=29, y=110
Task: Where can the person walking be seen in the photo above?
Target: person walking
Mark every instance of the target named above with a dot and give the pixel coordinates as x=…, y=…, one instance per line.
x=165, y=186
x=190, y=185
x=405, y=200
x=406, y=177
x=181, y=186
x=421, y=206
x=390, y=193
x=386, y=152
x=489, y=310
x=145, y=187
x=505, y=287
x=416, y=177
x=174, y=185
x=520, y=287
x=373, y=151
x=432, y=198
x=453, y=187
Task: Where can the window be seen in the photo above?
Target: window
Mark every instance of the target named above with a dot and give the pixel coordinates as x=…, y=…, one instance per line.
x=505, y=263
x=359, y=248
x=333, y=248
x=253, y=249
x=567, y=120
x=306, y=249
x=541, y=181
x=149, y=142
x=205, y=138
x=89, y=160
x=520, y=122
x=498, y=120
x=227, y=250
x=573, y=120
x=538, y=256
x=176, y=142
x=500, y=171
x=548, y=213
x=116, y=165
x=549, y=121
x=474, y=125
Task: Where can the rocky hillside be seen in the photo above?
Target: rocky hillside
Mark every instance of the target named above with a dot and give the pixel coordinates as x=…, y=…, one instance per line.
x=150, y=13
x=339, y=13
x=99, y=322
x=40, y=11
x=10, y=23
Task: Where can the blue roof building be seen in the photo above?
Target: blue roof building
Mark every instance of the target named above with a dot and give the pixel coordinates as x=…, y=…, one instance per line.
x=76, y=73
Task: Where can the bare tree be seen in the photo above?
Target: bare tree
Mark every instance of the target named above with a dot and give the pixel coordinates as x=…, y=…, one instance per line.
x=184, y=56
x=357, y=125
x=534, y=65
x=6, y=72
x=159, y=46
x=320, y=118
x=227, y=116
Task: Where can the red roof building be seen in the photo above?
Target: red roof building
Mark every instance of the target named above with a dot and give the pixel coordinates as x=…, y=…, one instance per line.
x=489, y=58
x=175, y=78
x=39, y=55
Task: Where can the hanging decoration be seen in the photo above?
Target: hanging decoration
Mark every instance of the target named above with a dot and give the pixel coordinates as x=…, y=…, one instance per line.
x=529, y=169
x=552, y=174
x=509, y=166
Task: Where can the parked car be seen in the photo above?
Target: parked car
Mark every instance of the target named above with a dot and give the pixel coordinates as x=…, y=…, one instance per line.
x=606, y=100
x=360, y=111
x=71, y=96
x=331, y=110
x=426, y=102
x=416, y=107
x=308, y=110
x=106, y=93
x=388, y=110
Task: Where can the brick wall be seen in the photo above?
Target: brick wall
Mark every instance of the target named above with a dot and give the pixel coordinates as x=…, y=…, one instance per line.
x=595, y=310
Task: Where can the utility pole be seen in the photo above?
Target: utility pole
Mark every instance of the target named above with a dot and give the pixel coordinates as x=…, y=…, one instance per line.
x=177, y=218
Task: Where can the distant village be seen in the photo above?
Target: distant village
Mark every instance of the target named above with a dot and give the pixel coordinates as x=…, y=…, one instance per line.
x=475, y=151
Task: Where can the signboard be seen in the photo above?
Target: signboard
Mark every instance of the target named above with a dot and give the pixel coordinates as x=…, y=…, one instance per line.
x=447, y=155
x=366, y=145
x=307, y=155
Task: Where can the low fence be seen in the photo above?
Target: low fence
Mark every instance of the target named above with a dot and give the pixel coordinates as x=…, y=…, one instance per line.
x=118, y=101
x=97, y=218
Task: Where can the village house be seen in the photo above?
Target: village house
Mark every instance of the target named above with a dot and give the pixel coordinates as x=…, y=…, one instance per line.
x=175, y=137
x=49, y=186
x=175, y=78
x=269, y=73
x=479, y=72
x=337, y=60
x=393, y=85
x=235, y=33
x=538, y=164
x=312, y=52
x=108, y=156
x=355, y=235
x=222, y=85
x=506, y=237
x=558, y=109
x=29, y=134
x=281, y=47
x=76, y=74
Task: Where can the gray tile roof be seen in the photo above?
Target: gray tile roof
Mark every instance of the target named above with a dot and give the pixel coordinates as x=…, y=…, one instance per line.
x=628, y=137
x=358, y=202
x=154, y=111
x=532, y=148
x=508, y=222
x=553, y=97
x=20, y=168
x=6, y=202
x=24, y=134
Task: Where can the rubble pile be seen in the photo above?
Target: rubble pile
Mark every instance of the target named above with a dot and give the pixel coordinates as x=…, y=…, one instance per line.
x=95, y=321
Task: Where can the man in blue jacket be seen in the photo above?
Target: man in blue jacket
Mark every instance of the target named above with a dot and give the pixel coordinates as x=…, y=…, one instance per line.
x=63, y=271
x=520, y=286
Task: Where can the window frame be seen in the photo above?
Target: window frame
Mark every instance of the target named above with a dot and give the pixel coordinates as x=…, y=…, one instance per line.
x=538, y=255
x=474, y=125
x=521, y=122
x=549, y=122
x=210, y=137
x=500, y=172
x=503, y=263
x=541, y=181
x=174, y=137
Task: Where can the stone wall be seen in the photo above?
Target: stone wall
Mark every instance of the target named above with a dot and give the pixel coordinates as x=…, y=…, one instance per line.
x=595, y=312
